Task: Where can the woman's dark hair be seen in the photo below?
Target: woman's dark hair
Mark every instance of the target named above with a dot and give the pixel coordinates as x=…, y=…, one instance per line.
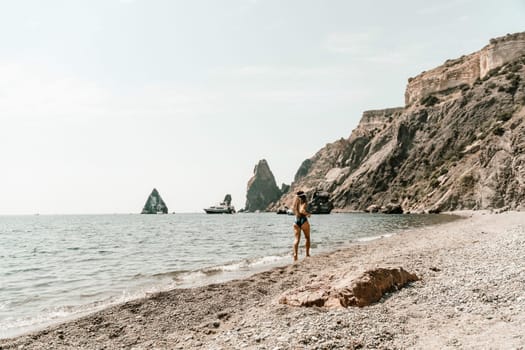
x=299, y=198
x=301, y=195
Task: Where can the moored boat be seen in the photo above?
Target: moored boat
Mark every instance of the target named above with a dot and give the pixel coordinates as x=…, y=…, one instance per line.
x=224, y=207
x=220, y=209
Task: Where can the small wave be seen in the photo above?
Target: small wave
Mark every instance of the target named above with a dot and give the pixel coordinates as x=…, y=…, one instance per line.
x=27, y=269
x=23, y=301
x=88, y=259
x=267, y=260
x=373, y=238
x=172, y=274
x=234, y=266
x=225, y=272
x=14, y=326
x=11, y=326
x=43, y=284
x=90, y=295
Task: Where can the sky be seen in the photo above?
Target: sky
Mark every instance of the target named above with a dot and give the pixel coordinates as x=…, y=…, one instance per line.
x=103, y=100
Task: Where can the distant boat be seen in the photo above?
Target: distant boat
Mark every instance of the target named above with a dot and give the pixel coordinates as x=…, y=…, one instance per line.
x=285, y=210
x=224, y=207
x=320, y=203
x=220, y=209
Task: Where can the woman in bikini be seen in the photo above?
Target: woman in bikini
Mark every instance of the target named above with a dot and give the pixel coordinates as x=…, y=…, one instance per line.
x=301, y=223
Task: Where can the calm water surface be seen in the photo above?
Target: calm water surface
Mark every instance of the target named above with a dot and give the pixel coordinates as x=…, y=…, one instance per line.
x=57, y=267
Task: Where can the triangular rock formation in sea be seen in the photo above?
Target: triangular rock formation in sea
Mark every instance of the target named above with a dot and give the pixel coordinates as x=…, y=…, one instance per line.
x=262, y=188
x=155, y=204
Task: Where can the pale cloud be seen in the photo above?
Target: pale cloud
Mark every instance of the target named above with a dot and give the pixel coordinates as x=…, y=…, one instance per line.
x=33, y=24
x=293, y=96
x=363, y=47
x=388, y=58
x=30, y=90
x=352, y=43
x=286, y=72
x=35, y=92
x=432, y=8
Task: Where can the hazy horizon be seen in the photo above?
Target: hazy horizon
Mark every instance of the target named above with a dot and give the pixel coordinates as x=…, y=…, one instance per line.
x=102, y=101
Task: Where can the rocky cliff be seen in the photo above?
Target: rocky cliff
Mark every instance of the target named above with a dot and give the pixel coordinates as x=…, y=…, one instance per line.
x=262, y=188
x=466, y=69
x=155, y=204
x=459, y=142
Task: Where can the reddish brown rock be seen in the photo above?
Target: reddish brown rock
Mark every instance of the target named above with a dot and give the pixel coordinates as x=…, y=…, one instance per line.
x=353, y=290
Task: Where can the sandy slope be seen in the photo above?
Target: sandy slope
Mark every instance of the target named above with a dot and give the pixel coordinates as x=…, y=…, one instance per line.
x=471, y=296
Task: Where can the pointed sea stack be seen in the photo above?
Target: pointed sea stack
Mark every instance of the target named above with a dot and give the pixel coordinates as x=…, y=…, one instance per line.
x=155, y=204
x=262, y=189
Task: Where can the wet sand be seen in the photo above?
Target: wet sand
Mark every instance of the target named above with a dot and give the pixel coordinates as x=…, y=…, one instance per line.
x=471, y=296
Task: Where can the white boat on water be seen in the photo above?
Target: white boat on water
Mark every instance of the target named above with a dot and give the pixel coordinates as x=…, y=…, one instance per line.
x=224, y=207
x=220, y=209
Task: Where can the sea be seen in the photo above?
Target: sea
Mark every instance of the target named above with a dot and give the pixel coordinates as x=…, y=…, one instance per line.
x=55, y=268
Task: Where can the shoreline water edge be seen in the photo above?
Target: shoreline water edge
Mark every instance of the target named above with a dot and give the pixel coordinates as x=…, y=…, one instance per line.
x=58, y=268
x=465, y=267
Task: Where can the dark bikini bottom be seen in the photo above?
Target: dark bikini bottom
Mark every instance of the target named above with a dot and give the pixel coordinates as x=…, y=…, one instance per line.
x=300, y=221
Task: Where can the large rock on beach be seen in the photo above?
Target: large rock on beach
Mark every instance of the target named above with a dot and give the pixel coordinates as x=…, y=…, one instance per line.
x=155, y=204
x=262, y=188
x=320, y=203
x=352, y=290
x=392, y=208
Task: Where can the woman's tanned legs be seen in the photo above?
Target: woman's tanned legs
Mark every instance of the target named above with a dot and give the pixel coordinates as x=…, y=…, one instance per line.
x=306, y=230
x=297, y=232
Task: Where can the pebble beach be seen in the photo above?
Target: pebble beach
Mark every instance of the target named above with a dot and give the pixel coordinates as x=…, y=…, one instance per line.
x=471, y=295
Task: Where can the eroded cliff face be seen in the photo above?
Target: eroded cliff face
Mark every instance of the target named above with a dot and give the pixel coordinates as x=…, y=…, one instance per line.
x=461, y=146
x=467, y=69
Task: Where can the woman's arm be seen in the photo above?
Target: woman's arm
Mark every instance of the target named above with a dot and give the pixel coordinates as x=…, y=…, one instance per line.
x=303, y=211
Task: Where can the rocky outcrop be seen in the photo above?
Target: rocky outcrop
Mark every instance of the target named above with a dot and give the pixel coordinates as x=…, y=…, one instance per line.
x=262, y=188
x=320, y=203
x=457, y=148
x=328, y=168
x=349, y=290
x=155, y=204
x=227, y=199
x=467, y=69
x=374, y=120
x=303, y=169
x=285, y=188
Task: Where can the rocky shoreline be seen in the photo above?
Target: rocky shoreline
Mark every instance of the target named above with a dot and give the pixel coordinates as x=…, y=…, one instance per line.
x=471, y=295
x=457, y=143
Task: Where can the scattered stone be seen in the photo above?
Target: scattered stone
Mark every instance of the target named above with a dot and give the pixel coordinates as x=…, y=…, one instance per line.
x=392, y=208
x=374, y=208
